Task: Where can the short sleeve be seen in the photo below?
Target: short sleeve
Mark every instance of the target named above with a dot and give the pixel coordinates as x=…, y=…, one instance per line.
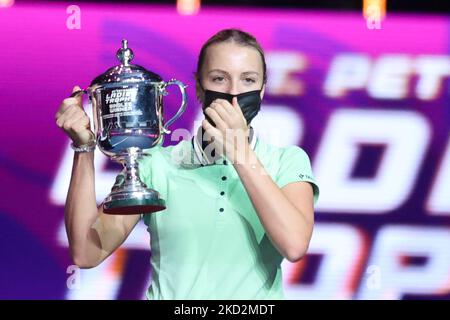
x=295, y=166
x=145, y=174
x=145, y=171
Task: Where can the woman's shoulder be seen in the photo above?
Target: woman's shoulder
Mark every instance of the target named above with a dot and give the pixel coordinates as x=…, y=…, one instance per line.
x=281, y=152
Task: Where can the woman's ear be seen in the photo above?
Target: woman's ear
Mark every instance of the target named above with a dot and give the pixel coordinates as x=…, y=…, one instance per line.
x=262, y=91
x=198, y=90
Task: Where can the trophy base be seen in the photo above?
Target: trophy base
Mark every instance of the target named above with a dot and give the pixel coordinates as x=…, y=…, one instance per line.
x=133, y=206
x=129, y=194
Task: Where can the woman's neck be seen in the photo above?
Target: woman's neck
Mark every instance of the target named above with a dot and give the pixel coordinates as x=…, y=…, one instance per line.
x=208, y=140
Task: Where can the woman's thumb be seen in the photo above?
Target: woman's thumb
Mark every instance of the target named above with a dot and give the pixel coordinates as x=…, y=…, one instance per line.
x=76, y=88
x=78, y=96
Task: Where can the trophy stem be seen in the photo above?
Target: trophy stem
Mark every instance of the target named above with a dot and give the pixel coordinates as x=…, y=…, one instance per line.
x=132, y=196
x=130, y=162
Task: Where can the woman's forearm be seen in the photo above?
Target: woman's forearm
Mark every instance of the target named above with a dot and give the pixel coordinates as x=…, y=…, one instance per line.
x=286, y=226
x=81, y=212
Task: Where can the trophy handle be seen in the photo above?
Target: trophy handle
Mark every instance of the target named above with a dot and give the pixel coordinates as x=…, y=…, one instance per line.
x=78, y=92
x=182, y=108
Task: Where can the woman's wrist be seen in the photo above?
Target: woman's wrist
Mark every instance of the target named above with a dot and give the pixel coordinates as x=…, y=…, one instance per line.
x=88, y=147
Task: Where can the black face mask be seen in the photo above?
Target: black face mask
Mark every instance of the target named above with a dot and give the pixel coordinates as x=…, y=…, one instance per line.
x=250, y=102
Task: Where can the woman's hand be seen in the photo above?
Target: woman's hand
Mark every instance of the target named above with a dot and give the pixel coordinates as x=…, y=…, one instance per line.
x=230, y=135
x=74, y=121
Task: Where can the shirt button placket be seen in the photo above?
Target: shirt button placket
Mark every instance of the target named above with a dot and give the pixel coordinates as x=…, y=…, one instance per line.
x=222, y=193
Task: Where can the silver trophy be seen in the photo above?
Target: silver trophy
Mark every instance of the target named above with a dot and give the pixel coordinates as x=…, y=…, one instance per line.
x=127, y=105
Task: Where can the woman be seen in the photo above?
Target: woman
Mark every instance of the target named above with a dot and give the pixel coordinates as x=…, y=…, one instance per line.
x=235, y=205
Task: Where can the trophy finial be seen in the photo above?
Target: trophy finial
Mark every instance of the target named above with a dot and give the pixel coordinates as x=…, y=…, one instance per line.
x=125, y=54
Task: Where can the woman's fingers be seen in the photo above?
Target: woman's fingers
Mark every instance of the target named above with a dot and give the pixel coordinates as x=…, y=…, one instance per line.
x=214, y=115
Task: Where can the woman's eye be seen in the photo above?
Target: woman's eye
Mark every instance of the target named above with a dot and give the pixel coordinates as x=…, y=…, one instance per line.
x=218, y=79
x=250, y=80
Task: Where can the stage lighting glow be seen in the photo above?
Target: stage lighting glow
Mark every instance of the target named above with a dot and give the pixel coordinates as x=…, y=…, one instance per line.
x=369, y=6
x=6, y=3
x=188, y=7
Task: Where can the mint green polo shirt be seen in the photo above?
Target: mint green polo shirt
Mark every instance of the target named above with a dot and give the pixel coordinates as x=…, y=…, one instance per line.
x=209, y=242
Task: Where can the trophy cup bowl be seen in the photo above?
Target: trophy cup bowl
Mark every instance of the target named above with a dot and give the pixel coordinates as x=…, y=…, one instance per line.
x=127, y=105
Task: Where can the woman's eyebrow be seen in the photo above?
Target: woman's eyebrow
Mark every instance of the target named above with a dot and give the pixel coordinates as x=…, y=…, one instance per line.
x=246, y=73
x=250, y=72
x=218, y=70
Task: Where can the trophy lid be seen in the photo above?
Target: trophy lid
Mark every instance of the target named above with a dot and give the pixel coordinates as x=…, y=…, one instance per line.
x=125, y=72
